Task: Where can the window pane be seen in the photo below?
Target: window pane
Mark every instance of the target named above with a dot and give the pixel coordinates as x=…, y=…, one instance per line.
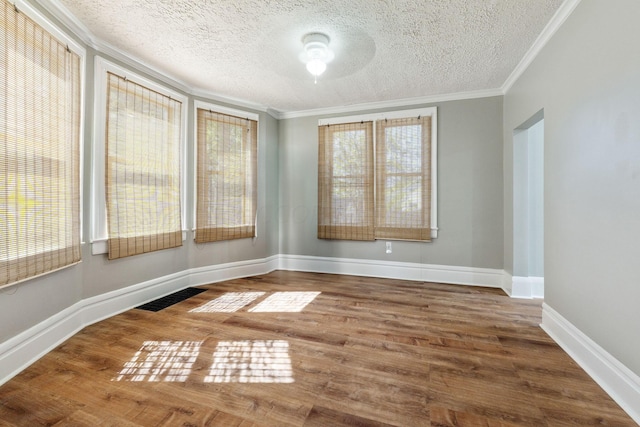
x=403, y=201
x=349, y=189
x=403, y=149
x=349, y=201
x=349, y=148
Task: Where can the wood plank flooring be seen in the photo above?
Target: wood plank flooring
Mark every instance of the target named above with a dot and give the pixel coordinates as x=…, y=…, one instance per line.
x=305, y=349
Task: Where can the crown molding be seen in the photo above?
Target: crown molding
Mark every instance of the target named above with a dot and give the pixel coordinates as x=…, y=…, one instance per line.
x=395, y=103
x=561, y=15
x=234, y=102
x=66, y=18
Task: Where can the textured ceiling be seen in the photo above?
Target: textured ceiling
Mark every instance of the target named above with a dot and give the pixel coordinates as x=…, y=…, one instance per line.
x=385, y=50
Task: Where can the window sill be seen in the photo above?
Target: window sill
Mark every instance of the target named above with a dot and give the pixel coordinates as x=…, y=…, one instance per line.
x=100, y=246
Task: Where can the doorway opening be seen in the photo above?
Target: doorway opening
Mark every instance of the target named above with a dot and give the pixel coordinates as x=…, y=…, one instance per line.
x=528, y=209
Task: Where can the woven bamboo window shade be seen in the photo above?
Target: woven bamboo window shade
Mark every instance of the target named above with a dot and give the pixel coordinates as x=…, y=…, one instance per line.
x=226, y=177
x=345, y=182
x=403, y=188
x=39, y=150
x=142, y=169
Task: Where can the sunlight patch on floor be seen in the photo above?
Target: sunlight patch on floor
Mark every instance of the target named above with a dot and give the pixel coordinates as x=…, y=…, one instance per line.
x=285, y=302
x=228, y=303
x=251, y=362
x=168, y=361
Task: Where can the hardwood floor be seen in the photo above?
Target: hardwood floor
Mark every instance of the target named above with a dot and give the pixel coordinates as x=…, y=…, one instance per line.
x=304, y=349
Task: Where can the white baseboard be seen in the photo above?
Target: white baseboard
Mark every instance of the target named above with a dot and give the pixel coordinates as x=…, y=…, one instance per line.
x=527, y=287
x=22, y=350
x=537, y=287
x=615, y=378
x=235, y=270
x=94, y=309
x=394, y=270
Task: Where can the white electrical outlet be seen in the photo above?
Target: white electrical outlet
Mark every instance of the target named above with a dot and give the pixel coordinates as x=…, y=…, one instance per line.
x=389, y=247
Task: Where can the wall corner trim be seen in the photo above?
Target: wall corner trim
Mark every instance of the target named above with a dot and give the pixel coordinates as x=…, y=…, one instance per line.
x=615, y=378
x=527, y=287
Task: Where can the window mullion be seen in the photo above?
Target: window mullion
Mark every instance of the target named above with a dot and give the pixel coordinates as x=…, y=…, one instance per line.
x=375, y=207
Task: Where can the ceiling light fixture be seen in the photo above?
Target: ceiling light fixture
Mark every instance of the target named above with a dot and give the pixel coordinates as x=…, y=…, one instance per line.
x=316, y=53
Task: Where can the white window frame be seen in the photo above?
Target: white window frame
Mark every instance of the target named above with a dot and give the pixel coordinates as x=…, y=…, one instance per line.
x=223, y=110
x=99, y=234
x=403, y=114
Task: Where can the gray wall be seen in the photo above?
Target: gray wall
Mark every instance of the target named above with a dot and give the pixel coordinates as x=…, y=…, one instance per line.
x=469, y=191
x=587, y=81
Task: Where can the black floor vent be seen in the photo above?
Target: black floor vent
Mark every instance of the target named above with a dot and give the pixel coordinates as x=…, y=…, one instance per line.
x=169, y=300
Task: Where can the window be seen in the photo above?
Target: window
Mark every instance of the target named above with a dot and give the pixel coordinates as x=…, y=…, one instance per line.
x=226, y=174
x=377, y=176
x=40, y=128
x=345, y=194
x=403, y=177
x=142, y=161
